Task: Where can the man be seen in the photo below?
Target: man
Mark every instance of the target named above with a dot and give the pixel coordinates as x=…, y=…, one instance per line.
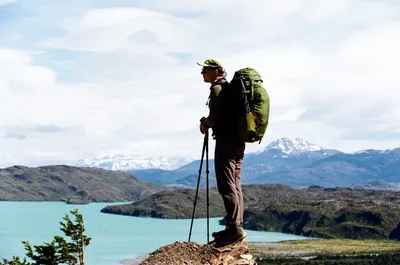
x=229, y=149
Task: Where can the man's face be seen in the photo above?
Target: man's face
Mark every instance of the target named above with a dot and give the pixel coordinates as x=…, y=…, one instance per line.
x=209, y=74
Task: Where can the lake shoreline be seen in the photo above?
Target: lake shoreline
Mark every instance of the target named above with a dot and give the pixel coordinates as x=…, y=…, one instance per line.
x=136, y=260
x=115, y=237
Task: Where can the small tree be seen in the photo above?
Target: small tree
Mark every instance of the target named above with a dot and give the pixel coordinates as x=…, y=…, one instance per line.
x=76, y=232
x=59, y=251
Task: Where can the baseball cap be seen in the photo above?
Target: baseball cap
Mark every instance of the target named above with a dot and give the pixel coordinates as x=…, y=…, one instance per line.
x=212, y=63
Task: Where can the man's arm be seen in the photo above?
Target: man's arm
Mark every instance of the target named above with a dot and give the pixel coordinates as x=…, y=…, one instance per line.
x=215, y=104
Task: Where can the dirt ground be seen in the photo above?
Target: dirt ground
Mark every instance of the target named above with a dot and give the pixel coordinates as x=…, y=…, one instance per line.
x=188, y=253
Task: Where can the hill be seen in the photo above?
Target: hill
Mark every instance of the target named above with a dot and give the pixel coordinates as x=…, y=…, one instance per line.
x=171, y=205
x=314, y=212
x=178, y=204
x=73, y=184
x=327, y=213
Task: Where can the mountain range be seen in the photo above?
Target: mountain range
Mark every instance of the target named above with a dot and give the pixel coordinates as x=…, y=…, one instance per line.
x=292, y=161
x=132, y=162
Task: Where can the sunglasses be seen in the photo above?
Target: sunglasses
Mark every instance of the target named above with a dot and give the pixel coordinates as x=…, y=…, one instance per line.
x=205, y=69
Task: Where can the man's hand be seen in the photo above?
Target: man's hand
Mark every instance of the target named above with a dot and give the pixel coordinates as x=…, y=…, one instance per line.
x=203, y=128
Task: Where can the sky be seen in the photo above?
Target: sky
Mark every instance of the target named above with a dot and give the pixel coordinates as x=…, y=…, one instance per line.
x=89, y=78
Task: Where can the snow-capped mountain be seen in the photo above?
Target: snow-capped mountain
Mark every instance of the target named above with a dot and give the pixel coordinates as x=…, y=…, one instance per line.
x=291, y=161
x=288, y=146
x=124, y=163
x=292, y=146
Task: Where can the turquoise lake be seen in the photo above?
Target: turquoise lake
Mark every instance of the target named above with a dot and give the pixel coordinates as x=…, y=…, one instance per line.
x=114, y=237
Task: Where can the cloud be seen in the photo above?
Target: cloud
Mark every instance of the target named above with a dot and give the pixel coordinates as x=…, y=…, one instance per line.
x=318, y=11
x=21, y=133
x=182, y=6
x=7, y=2
x=47, y=117
x=122, y=78
x=15, y=136
x=20, y=76
x=125, y=28
x=25, y=132
x=372, y=134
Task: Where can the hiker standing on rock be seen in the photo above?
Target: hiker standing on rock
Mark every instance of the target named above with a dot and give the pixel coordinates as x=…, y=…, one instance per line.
x=229, y=150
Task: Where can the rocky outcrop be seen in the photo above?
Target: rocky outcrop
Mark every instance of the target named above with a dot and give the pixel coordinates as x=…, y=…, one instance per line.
x=191, y=253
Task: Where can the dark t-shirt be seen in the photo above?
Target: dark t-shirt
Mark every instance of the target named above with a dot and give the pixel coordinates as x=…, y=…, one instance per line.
x=223, y=108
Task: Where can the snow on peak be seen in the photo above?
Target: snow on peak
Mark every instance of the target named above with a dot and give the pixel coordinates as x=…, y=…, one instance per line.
x=133, y=162
x=292, y=145
x=367, y=151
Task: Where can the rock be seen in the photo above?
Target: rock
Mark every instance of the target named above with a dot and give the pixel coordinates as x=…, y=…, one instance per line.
x=79, y=200
x=191, y=253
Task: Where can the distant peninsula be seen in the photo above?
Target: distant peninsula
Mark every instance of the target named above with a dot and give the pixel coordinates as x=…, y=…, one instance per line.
x=314, y=212
x=74, y=185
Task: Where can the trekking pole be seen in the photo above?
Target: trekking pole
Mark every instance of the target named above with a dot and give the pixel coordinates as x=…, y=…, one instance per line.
x=208, y=202
x=198, y=184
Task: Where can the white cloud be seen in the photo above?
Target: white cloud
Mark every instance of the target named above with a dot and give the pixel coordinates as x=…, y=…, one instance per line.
x=90, y=114
x=125, y=28
x=175, y=6
x=320, y=11
x=371, y=58
x=330, y=70
x=7, y=2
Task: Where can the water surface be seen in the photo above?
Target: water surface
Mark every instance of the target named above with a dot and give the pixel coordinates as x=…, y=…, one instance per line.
x=114, y=237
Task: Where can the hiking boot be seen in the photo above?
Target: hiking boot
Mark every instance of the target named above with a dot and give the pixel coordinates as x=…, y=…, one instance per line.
x=230, y=235
x=218, y=234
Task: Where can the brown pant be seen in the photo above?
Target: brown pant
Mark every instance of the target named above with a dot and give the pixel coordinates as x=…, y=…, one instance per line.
x=228, y=161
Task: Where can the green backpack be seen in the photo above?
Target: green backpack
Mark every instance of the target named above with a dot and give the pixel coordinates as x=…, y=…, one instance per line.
x=254, y=104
